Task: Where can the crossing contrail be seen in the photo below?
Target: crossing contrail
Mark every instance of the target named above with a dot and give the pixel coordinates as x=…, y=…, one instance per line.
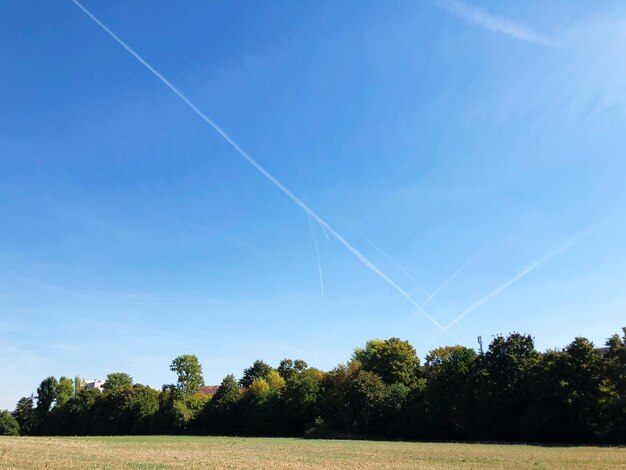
x=406, y=273
x=448, y=280
x=395, y=263
x=520, y=275
x=327, y=228
x=312, y=232
x=317, y=253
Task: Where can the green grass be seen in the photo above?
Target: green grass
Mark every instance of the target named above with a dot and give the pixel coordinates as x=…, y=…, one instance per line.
x=161, y=452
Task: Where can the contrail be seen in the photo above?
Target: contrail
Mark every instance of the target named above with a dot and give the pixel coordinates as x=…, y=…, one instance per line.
x=448, y=280
x=325, y=232
x=259, y=168
x=397, y=265
x=405, y=272
x=313, y=237
x=317, y=252
x=520, y=275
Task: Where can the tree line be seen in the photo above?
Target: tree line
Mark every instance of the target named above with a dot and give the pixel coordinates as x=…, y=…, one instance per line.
x=511, y=392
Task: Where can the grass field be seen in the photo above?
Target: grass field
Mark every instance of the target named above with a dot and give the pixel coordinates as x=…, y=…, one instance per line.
x=139, y=452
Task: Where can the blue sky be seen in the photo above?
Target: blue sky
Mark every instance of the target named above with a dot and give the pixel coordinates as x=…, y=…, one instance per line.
x=431, y=136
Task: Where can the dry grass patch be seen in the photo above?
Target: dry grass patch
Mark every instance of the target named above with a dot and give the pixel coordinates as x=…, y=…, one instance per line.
x=160, y=452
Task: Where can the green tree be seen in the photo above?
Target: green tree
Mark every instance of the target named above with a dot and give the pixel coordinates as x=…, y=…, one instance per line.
x=448, y=371
x=117, y=381
x=78, y=416
x=258, y=370
x=143, y=401
x=392, y=360
x=366, y=399
x=505, y=384
x=583, y=374
x=227, y=393
x=189, y=372
x=333, y=406
x=78, y=384
x=8, y=424
x=275, y=381
x=258, y=389
x=222, y=415
x=613, y=400
x=46, y=395
x=184, y=410
x=65, y=391
x=288, y=368
x=302, y=396
x=25, y=415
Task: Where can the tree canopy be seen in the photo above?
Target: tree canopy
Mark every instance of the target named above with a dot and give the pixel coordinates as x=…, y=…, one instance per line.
x=117, y=381
x=510, y=392
x=393, y=360
x=189, y=372
x=46, y=395
x=258, y=370
x=8, y=424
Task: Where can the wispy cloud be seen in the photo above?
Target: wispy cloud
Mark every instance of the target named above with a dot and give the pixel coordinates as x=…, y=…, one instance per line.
x=495, y=23
x=486, y=298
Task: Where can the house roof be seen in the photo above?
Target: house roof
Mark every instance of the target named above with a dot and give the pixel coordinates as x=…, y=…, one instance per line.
x=207, y=389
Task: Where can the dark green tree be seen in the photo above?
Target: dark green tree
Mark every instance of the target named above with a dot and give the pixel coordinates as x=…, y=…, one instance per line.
x=46, y=395
x=365, y=400
x=449, y=394
x=258, y=370
x=25, y=415
x=222, y=411
x=334, y=410
x=612, y=426
x=143, y=401
x=583, y=376
x=504, y=386
x=117, y=381
x=79, y=415
x=8, y=424
x=288, y=368
x=301, y=397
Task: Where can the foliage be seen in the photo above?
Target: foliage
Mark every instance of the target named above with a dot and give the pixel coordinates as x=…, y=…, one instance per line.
x=301, y=400
x=46, y=395
x=511, y=392
x=449, y=372
x=258, y=370
x=25, y=415
x=222, y=412
x=392, y=360
x=8, y=424
x=117, y=381
x=288, y=368
x=189, y=372
x=258, y=389
x=65, y=391
x=613, y=401
x=365, y=398
x=503, y=384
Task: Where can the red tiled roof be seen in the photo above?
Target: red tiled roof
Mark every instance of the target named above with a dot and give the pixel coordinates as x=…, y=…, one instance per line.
x=207, y=389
